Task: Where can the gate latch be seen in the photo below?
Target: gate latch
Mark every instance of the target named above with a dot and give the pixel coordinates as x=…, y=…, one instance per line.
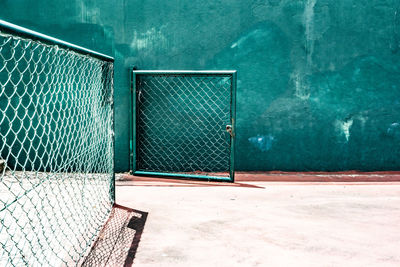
x=229, y=129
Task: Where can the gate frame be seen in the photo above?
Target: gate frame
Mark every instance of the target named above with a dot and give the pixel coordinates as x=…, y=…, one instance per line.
x=133, y=125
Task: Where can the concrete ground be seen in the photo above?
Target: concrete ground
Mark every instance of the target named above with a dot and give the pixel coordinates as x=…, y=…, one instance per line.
x=265, y=223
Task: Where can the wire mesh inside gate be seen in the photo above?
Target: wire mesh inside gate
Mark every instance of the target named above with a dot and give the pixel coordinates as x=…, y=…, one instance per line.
x=181, y=123
x=56, y=151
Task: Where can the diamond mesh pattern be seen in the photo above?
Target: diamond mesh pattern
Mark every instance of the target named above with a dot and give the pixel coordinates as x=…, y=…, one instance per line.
x=56, y=152
x=181, y=123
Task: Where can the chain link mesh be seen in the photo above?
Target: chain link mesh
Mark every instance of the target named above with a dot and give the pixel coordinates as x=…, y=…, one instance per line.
x=181, y=123
x=56, y=152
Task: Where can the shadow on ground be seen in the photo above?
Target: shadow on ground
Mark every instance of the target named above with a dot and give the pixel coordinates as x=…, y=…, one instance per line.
x=119, y=239
x=132, y=180
x=247, y=179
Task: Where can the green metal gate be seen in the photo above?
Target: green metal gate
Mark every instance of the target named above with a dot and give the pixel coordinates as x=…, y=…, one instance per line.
x=183, y=124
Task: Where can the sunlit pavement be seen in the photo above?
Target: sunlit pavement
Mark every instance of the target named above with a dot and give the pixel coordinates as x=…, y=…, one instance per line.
x=266, y=223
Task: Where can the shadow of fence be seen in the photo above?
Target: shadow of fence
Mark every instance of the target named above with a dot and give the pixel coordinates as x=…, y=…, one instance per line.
x=119, y=239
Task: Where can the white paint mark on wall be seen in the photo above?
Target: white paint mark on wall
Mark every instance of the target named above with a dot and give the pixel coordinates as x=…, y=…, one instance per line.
x=301, y=86
x=151, y=38
x=394, y=125
x=394, y=130
x=308, y=17
x=301, y=89
x=362, y=120
x=262, y=142
x=254, y=34
x=344, y=127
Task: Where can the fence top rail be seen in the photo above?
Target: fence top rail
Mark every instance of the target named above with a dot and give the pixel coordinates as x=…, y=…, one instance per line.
x=194, y=72
x=24, y=32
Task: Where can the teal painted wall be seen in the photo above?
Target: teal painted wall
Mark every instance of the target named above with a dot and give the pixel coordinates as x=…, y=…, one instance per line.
x=318, y=80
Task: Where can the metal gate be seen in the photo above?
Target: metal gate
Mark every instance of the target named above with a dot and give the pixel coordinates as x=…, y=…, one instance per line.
x=183, y=124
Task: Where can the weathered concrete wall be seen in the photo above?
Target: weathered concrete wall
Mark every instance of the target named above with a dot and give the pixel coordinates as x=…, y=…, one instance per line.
x=318, y=80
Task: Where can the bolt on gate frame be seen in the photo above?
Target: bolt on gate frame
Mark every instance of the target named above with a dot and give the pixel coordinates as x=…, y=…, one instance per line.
x=183, y=124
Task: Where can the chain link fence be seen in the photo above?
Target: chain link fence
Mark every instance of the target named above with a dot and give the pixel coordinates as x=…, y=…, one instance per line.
x=181, y=123
x=56, y=149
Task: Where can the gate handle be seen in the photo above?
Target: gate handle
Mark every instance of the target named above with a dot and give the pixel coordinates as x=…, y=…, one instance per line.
x=229, y=129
